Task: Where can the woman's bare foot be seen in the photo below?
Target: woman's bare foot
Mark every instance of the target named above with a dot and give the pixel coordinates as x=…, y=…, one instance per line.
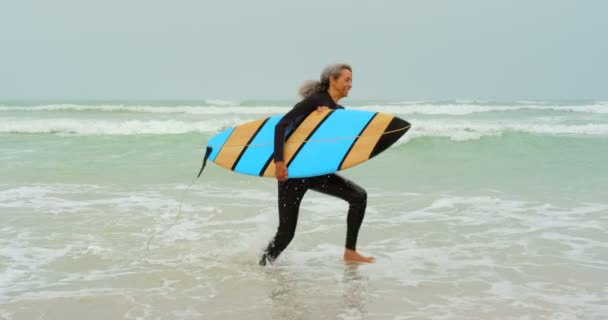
x=354, y=256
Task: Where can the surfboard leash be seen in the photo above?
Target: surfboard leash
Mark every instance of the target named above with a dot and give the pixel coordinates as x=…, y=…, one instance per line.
x=181, y=201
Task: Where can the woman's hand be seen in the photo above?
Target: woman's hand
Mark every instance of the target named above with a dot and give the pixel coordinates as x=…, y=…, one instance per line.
x=280, y=167
x=281, y=170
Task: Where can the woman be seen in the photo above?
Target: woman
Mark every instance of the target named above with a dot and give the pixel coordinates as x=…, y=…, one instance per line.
x=335, y=82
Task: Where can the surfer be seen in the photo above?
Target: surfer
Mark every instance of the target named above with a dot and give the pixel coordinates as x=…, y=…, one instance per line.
x=334, y=84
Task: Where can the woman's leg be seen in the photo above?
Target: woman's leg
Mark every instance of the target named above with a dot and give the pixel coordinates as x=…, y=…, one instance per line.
x=356, y=196
x=290, y=194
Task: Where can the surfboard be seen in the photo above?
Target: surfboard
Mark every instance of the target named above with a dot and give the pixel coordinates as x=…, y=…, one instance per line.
x=324, y=142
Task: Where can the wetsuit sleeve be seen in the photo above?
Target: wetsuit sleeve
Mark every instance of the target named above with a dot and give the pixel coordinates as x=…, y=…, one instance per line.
x=300, y=110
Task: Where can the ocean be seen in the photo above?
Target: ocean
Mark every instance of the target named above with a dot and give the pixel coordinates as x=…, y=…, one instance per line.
x=483, y=210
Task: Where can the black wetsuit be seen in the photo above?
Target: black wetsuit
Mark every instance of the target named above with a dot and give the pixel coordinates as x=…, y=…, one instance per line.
x=292, y=191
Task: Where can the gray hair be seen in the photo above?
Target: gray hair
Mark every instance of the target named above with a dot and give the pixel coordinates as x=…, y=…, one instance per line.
x=309, y=87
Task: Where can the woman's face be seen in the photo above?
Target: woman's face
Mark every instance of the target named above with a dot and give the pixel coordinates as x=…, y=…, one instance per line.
x=343, y=83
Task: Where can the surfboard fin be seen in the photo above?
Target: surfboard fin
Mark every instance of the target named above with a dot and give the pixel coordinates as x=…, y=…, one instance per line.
x=207, y=153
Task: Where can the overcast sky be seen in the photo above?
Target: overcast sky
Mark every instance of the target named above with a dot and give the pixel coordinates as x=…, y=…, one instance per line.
x=244, y=49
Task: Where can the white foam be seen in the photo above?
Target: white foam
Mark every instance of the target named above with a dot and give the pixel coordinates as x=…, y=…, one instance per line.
x=502, y=288
x=433, y=109
x=220, y=102
x=33, y=257
x=462, y=130
x=4, y=314
x=218, y=109
x=96, y=251
x=455, y=130
x=462, y=253
x=466, y=109
x=23, y=262
x=51, y=198
x=125, y=127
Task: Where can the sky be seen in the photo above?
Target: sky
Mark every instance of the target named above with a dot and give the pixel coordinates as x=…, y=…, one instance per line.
x=241, y=49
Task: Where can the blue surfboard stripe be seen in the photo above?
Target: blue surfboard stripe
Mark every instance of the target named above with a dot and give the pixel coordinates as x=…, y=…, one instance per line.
x=332, y=151
x=254, y=158
x=295, y=155
x=218, y=141
x=288, y=134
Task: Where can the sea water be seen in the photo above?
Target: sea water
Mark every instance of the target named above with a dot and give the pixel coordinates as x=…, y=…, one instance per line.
x=483, y=210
